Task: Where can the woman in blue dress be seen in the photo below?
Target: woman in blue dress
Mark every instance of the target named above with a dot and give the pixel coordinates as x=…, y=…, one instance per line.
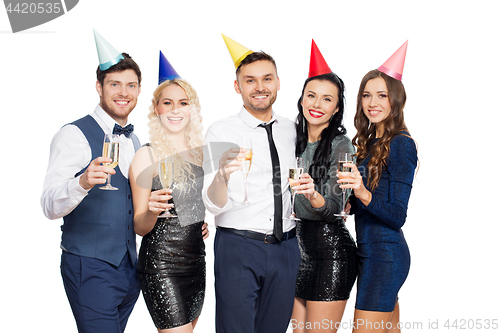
x=381, y=183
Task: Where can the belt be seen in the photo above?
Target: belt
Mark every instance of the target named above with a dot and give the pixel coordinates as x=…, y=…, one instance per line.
x=266, y=238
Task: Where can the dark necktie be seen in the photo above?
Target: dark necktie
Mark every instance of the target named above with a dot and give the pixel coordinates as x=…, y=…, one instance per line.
x=278, y=200
x=127, y=130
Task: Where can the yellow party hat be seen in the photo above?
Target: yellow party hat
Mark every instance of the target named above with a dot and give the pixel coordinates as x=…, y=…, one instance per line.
x=238, y=52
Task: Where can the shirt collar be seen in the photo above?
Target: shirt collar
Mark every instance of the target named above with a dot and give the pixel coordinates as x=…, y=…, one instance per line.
x=106, y=118
x=251, y=121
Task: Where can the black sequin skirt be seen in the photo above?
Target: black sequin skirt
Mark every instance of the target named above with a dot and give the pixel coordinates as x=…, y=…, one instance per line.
x=172, y=272
x=328, y=261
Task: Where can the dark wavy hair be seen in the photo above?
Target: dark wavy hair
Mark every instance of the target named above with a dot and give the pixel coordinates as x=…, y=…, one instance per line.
x=321, y=159
x=126, y=63
x=256, y=56
x=394, y=125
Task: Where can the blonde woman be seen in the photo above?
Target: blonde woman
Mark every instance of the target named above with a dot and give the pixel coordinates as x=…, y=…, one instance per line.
x=172, y=256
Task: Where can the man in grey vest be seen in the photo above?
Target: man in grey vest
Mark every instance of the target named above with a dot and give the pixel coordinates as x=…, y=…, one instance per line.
x=98, y=241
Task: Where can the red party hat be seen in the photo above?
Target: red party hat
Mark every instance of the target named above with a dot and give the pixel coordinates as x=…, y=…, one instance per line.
x=395, y=64
x=317, y=64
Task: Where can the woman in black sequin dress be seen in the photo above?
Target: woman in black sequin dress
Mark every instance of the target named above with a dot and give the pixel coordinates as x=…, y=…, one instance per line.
x=172, y=256
x=328, y=253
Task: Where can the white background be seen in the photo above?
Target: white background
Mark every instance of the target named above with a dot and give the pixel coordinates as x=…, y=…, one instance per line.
x=451, y=77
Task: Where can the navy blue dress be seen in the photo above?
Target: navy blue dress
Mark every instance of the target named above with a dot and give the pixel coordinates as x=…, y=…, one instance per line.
x=383, y=255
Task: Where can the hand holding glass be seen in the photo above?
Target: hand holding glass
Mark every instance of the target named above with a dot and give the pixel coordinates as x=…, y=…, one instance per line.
x=294, y=172
x=344, y=158
x=166, y=174
x=111, y=149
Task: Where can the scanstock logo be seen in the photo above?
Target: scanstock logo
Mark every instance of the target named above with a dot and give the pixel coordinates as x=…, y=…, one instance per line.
x=26, y=14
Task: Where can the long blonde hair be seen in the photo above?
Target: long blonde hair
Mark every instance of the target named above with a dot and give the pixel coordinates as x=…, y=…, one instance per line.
x=160, y=142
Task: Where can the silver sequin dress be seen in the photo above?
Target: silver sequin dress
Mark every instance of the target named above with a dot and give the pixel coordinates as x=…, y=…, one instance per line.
x=172, y=259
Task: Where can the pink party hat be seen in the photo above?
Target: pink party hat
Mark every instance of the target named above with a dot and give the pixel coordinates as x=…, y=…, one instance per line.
x=317, y=64
x=395, y=64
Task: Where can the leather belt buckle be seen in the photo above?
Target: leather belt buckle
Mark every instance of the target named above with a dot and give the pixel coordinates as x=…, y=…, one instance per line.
x=270, y=239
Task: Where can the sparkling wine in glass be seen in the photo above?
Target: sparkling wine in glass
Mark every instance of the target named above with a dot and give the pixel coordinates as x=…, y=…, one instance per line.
x=246, y=162
x=294, y=172
x=344, y=158
x=111, y=149
x=166, y=174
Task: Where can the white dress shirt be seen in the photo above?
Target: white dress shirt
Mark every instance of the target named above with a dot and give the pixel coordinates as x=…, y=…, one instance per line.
x=69, y=153
x=259, y=215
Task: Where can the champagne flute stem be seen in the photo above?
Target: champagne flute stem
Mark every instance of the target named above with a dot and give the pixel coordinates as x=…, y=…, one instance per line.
x=343, y=200
x=246, y=191
x=293, y=204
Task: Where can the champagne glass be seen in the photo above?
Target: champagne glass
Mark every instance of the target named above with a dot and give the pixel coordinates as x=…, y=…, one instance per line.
x=294, y=172
x=246, y=163
x=344, y=158
x=166, y=174
x=111, y=149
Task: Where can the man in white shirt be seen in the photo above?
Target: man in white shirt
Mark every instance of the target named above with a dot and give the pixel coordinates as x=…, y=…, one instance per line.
x=98, y=240
x=256, y=252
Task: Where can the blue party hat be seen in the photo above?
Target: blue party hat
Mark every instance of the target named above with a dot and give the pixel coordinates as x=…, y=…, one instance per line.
x=166, y=71
x=108, y=55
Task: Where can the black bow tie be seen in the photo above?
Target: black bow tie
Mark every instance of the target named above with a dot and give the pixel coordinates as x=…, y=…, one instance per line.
x=127, y=130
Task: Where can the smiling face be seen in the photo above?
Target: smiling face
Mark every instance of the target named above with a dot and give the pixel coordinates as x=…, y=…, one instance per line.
x=375, y=103
x=258, y=84
x=173, y=108
x=319, y=103
x=118, y=94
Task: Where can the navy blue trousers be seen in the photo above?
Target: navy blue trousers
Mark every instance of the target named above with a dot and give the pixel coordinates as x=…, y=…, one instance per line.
x=101, y=295
x=254, y=283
